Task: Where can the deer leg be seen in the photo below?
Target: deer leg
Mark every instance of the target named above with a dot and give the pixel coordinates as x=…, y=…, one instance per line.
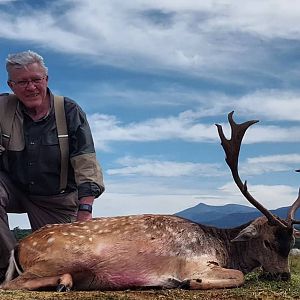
x=32, y=282
x=65, y=283
x=173, y=282
x=216, y=278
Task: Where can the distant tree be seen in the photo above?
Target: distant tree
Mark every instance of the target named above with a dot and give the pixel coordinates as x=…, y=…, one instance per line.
x=20, y=233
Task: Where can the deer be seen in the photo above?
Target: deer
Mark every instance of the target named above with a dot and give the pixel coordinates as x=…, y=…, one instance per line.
x=156, y=251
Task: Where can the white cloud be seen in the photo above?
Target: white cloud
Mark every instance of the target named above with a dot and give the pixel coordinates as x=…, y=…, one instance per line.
x=108, y=128
x=135, y=166
x=150, y=198
x=270, y=164
x=152, y=167
x=271, y=105
x=270, y=196
x=269, y=19
x=194, y=37
x=282, y=159
x=266, y=105
x=183, y=127
x=112, y=204
x=6, y=1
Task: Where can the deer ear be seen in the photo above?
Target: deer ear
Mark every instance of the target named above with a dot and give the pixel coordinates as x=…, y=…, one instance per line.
x=246, y=234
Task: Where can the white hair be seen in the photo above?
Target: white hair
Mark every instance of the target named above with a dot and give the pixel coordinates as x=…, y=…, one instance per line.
x=22, y=59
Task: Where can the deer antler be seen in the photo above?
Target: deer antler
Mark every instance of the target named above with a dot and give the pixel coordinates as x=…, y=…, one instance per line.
x=232, y=150
x=291, y=213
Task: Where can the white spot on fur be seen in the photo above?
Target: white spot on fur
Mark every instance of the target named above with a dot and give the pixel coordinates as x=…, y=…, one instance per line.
x=100, y=248
x=51, y=240
x=169, y=229
x=34, y=244
x=189, y=252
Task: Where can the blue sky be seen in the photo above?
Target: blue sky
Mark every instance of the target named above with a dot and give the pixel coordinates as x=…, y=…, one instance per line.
x=155, y=76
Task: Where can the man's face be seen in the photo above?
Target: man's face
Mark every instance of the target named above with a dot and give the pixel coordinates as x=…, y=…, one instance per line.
x=29, y=84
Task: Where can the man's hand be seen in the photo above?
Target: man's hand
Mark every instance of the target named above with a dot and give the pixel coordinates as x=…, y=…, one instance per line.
x=83, y=215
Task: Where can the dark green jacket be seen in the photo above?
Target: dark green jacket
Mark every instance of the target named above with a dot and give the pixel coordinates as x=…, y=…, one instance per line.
x=33, y=152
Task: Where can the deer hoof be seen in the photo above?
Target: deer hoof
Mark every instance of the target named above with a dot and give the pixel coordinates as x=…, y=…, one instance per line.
x=62, y=288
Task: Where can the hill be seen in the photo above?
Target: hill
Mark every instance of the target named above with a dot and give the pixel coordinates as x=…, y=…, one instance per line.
x=226, y=216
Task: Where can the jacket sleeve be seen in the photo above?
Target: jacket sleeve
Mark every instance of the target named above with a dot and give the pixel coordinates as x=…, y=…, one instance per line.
x=87, y=171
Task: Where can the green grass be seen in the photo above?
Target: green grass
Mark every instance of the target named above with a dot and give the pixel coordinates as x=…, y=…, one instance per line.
x=264, y=289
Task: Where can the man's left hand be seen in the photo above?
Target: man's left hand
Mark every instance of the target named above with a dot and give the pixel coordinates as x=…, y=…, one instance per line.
x=83, y=215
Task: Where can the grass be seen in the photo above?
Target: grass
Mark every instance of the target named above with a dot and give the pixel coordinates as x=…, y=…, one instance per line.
x=254, y=288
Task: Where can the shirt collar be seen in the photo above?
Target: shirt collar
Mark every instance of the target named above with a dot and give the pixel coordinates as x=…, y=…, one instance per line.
x=21, y=107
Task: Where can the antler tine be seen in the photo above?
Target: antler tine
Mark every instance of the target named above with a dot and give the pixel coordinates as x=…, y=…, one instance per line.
x=232, y=150
x=232, y=146
x=291, y=213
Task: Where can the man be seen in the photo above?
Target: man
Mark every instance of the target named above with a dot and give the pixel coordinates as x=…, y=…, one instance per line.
x=30, y=176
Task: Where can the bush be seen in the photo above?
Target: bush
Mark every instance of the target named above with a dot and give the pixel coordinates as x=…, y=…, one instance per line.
x=20, y=233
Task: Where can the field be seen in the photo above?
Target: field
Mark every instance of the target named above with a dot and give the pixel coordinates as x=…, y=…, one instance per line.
x=254, y=288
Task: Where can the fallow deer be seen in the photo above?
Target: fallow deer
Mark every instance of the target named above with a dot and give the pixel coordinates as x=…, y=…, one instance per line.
x=144, y=251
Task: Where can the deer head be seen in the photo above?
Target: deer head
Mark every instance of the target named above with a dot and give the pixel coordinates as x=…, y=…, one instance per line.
x=274, y=234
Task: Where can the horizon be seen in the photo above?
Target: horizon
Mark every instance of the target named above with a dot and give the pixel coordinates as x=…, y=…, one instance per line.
x=154, y=78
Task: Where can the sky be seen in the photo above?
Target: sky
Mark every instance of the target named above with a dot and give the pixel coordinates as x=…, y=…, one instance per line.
x=155, y=76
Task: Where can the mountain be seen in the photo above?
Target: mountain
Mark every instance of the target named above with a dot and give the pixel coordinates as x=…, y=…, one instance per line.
x=226, y=216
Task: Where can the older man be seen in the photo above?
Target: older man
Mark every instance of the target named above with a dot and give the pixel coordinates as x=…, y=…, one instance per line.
x=32, y=161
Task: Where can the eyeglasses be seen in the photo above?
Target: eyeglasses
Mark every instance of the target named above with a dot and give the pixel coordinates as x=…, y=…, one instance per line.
x=24, y=83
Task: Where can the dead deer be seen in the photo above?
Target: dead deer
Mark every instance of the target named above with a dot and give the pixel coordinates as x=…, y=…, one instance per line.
x=145, y=251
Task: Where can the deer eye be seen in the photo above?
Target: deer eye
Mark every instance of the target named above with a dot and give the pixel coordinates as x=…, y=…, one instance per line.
x=267, y=244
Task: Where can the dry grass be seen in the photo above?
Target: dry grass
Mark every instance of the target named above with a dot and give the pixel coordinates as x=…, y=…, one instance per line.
x=254, y=288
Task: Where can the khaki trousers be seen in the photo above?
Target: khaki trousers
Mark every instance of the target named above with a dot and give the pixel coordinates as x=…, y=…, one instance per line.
x=41, y=210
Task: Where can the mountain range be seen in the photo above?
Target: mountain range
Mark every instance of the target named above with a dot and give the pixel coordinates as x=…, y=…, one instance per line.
x=227, y=216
